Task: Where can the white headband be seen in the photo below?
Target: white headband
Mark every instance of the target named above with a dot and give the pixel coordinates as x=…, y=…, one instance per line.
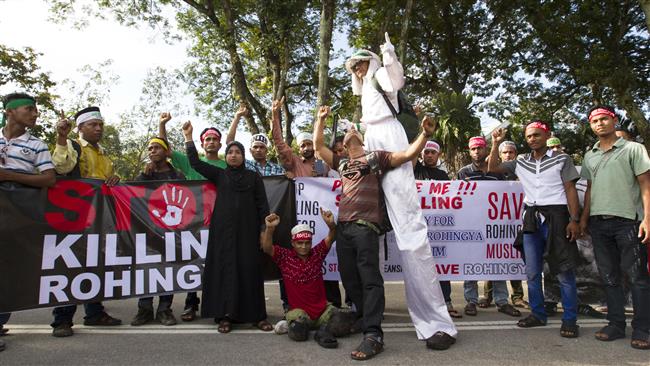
x=85, y=117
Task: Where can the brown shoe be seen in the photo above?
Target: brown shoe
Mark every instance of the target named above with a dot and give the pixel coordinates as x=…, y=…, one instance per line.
x=103, y=320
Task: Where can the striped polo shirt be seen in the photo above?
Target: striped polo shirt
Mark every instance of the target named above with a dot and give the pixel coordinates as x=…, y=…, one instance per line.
x=24, y=154
x=543, y=180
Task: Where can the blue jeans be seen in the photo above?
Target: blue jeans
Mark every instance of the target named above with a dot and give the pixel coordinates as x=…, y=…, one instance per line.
x=618, y=250
x=499, y=290
x=534, y=244
x=64, y=314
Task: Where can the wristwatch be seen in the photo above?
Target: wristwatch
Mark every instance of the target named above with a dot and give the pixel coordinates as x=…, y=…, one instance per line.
x=575, y=218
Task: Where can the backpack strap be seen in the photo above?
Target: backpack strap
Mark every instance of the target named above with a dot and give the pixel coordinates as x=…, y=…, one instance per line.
x=375, y=84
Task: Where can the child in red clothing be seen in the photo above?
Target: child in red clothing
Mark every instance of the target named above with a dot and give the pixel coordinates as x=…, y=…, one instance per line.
x=303, y=278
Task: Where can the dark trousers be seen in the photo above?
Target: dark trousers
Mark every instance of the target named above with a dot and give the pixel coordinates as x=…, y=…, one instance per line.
x=4, y=318
x=617, y=249
x=64, y=314
x=357, y=248
x=192, y=301
x=333, y=292
x=164, y=302
x=445, y=286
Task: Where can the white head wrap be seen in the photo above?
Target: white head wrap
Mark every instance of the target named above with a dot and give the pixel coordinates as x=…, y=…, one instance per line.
x=304, y=136
x=373, y=66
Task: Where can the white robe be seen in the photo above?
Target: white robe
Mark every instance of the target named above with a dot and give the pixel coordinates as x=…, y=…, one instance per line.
x=383, y=132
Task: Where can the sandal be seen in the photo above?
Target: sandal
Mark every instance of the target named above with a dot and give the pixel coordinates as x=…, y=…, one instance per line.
x=454, y=313
x=509, y=310
x=484, y=303
x=609, y=333
x=225, y=326
x=640, y=340
x=188, y=315
x=569, y=330
x=470, y=309
x=440, y=341
x=520, y=303
x=370, y=347
x=264, y=326
x=530, y=321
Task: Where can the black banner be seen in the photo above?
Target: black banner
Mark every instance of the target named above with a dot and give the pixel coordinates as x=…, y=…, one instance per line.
x=82, y=241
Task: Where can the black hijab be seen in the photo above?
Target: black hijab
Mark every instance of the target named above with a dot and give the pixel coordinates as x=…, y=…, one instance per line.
x=239, y=177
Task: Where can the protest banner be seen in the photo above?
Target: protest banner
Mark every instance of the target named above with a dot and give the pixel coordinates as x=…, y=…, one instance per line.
x=472, y=226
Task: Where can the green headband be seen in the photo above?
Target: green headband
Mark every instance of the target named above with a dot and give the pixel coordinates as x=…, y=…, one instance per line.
x=16, y=103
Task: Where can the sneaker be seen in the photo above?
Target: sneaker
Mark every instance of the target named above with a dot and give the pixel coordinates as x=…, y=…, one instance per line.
x=281, y=327
x=143, y=317
x=102, y=320
x=166, y=317
x=298, y=331
x=62, y=330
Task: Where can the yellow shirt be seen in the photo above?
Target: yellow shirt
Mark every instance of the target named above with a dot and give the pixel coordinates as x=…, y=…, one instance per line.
x=93, y=162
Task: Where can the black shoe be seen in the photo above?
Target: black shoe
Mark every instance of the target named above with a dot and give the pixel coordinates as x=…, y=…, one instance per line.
x=143, y=317
x=550, y=308
x=342, y=322
x=3, y=330
x=62, y=330
x=166, y=317
x=104, y=320
x=589, y=311
x=325, y=339
x=298, y=331
x=440, y=341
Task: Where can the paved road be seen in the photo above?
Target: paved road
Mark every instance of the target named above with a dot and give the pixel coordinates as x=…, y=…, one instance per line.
x=490, y=338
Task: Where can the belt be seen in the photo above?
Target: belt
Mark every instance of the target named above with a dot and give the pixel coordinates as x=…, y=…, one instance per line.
x=369, y=224
x=612, y=217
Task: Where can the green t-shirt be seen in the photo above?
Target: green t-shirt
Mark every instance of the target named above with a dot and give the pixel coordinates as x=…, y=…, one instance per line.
x=613, y=174
x=182, y=163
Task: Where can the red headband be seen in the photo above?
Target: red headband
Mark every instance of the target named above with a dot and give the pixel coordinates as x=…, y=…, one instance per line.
x=210, y=132
x=538, y=124
x=477, y=142
x=599, y=111
x=303, y=235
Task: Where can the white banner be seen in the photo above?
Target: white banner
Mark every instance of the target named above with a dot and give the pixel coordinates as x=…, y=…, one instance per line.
x=472, y=226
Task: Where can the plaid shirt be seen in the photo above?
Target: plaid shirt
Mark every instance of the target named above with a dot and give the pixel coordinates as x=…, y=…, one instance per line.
x=266, y=170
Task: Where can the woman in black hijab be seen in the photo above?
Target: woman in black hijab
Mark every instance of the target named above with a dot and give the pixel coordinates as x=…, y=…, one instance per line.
x=233, y=284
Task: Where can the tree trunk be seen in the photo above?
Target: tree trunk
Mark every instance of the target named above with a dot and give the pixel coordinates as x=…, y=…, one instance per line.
x=403, y=38
x=645, y=5
x=241, y=87
x=326, y=26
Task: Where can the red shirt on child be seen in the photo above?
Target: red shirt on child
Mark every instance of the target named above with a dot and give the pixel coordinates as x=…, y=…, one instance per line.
x=303, y=279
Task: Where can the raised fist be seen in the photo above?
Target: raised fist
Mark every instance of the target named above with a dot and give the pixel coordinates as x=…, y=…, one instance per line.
x=165, y=117
x=187, y=129
x=272, y=220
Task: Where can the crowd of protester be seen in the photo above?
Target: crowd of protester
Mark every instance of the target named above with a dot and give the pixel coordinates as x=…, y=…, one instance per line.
x=378, y=172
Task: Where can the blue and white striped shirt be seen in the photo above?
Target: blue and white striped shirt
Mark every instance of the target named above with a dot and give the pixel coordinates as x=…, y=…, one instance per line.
x=24, y=154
